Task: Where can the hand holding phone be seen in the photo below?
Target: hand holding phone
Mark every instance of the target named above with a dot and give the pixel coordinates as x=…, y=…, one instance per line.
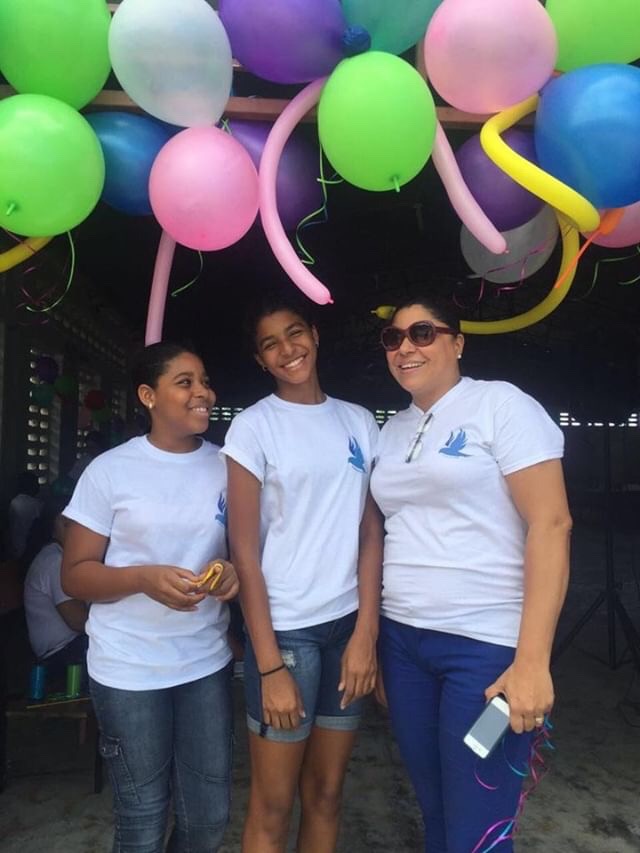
x=489, y=729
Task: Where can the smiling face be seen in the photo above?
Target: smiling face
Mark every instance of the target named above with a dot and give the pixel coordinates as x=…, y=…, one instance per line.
x=286, y=346
x=181, y=401
x=427, y=373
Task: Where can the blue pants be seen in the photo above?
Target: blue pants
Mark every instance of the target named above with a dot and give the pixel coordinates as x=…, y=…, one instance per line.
x=158, y=743
x=435, y=685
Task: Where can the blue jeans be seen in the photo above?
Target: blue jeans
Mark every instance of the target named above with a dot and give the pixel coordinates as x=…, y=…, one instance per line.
x=313, y=656
x=159, y=743
x=435, y=685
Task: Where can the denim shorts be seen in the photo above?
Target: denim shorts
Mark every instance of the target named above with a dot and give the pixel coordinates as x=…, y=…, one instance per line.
x=313, y=656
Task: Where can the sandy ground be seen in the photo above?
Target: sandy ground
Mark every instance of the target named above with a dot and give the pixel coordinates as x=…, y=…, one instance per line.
x=588, y=802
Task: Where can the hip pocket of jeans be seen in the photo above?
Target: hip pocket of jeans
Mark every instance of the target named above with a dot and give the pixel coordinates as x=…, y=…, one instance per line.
x=122, y=782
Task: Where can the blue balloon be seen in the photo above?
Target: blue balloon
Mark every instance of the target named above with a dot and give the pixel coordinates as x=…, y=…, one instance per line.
x=130, y=144
x=587, y=132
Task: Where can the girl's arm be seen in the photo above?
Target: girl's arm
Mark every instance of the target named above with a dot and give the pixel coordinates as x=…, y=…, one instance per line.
x=84, y=575
x=540, y=497
x=359, y=662
x=282, y=704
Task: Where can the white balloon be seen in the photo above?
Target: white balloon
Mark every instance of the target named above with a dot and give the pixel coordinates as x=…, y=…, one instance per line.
x=173, y=58
x=529, y=247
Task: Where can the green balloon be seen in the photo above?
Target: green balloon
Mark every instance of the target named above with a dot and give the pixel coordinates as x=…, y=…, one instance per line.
x=57, y=49
x=595, y=31
x=376, y=121
x=43, y=394
x=393, y=26
x=65, y=386
x=51, y=166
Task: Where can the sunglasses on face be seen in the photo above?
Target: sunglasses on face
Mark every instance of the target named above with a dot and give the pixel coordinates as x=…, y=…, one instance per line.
x=422, y=334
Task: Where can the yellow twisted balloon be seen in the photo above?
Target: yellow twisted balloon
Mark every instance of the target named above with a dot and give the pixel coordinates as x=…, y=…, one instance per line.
x=568, y=266
x=569, y=202
x=22, y=252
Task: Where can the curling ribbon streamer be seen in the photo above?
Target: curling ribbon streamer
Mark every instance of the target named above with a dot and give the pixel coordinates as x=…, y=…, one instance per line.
x=565, y=199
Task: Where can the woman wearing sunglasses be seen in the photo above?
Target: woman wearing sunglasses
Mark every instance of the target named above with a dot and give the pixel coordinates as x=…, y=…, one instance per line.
x=476, y=559
x=307, y=544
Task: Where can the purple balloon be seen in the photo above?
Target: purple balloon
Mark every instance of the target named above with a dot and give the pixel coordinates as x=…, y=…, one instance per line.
x=298, y=191
x=46, y=369
x=506, y=203
x=286, y=41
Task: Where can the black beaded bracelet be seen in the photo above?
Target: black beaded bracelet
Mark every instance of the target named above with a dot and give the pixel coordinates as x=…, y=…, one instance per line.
x=271, y=671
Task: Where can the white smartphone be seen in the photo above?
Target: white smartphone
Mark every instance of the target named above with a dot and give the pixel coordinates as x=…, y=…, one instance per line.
x=488, y=730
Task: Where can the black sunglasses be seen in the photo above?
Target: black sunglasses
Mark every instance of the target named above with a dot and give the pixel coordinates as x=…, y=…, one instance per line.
x=422, y=334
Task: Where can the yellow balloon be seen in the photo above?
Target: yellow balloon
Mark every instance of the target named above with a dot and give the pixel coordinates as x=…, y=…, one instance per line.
x=568, y=266
x=574, y=206
x=22, y=252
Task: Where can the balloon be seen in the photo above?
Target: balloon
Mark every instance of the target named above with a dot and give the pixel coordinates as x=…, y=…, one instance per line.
x=56, y=49
x=204, y=189
x=376, y=121
x=130, y=143
x=173, y=58
x=570, y=245
x=46, y=369
x=94, y=400
x=587, y=133
x=22, y=252
x=298, y=191
x=42, y=395
x=286, y=41
x=593, y=31
x=101, y=416
x=65, y=386
x=554, y=192
x=530, y=246
x=391, y=28
x=461, y=199
x=159, y=286
x=484, y=56
x=626, y=232
x=51, y=166
x=506, y=203
x=288, y=119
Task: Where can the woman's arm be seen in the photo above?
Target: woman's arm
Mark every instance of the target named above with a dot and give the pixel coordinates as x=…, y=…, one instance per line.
x=85, y=576
x=359, y=662
x=282, y=704
x=539, y=495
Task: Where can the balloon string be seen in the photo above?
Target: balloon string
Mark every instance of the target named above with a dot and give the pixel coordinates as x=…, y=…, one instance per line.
x=596, y=273
x=322, y=212
x=72, y=270
x=193, y=280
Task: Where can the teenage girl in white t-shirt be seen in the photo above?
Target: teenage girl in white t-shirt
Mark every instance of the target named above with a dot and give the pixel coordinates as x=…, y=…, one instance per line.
x=470, y=482
x=307, y=544
x=147, y=517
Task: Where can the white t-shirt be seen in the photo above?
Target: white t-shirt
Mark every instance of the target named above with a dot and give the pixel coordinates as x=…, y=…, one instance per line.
x=48, y=632
x=157, y=508
x=313, y=462
x=454, y=543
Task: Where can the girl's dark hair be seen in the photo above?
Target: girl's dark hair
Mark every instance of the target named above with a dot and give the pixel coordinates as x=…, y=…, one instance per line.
x=270, y=302
x=443, y=310
x=151, y=362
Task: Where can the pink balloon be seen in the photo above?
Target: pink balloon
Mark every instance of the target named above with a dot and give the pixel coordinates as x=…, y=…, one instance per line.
x=462, y=201
x=483, y=56
x=203, y=189
x=281, y=247
x=626, y=232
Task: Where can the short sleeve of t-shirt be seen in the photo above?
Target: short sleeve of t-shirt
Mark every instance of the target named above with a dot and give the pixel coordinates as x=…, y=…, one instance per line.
x=91, y=504
x=524, y=434
x=58, y=595
x=244, y=447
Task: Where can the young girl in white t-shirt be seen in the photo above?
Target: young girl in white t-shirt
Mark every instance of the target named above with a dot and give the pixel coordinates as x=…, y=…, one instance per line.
x=148, y=517
x=306, y=541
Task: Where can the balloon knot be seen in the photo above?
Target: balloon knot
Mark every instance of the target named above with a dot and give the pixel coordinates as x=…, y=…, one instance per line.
x=355, y=40
x=10, y=208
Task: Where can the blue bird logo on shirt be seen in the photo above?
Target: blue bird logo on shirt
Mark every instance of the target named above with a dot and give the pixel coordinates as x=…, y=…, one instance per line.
x=221, y=515
x=455, y=444
x=356, y=460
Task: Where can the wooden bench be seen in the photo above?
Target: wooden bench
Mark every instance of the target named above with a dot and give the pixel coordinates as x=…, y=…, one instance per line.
x=80, y=710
